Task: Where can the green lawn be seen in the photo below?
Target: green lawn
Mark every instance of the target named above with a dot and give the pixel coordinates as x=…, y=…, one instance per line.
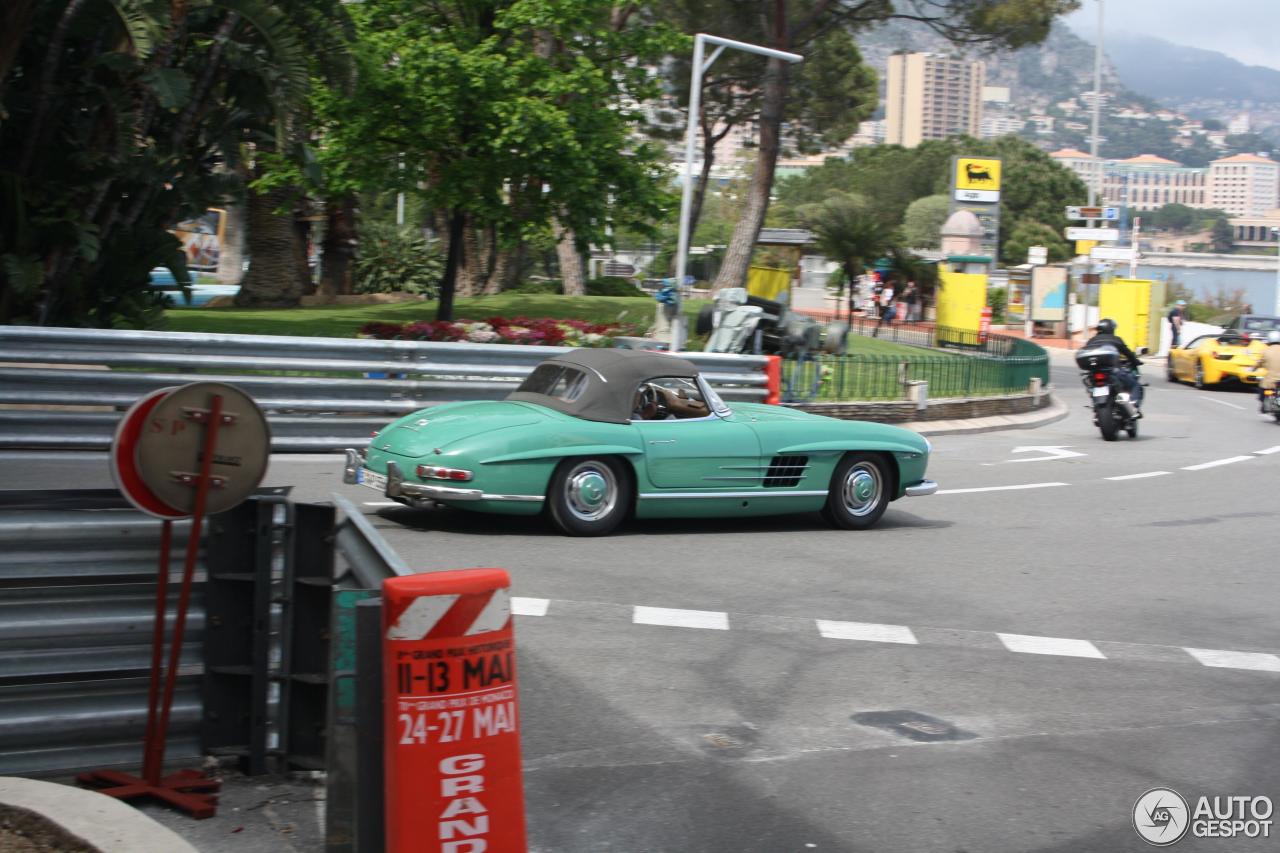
x=344, y=321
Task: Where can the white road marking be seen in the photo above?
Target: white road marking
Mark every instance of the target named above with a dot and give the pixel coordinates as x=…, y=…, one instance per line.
x=999, y=488
x=381, y=503
x=866, y=631
x=1236, y=660
x=1219, y=402
x=529, y=606
x=1030, y=645
x=1268, y=451
x=716, y=620
x=1139, y=476
x=1215, y=463
x=1056, y=451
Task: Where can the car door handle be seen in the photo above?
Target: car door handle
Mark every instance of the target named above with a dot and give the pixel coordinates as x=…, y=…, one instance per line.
x=664, y=441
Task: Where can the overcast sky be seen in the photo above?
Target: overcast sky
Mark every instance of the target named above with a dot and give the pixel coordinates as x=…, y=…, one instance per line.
x=1247, y=30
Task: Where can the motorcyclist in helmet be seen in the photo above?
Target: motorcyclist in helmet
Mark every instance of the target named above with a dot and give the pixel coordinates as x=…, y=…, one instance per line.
x=1127, y=373
x=1270, y=362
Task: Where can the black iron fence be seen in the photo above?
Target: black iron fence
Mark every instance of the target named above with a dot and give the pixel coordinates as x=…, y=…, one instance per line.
x=954, y=363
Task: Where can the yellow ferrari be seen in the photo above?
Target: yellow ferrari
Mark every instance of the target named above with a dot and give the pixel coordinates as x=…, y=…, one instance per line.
x=1228, y=356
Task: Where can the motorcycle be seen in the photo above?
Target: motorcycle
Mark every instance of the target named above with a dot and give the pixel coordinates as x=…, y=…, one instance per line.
x=1113, y=410
x=1271, y=403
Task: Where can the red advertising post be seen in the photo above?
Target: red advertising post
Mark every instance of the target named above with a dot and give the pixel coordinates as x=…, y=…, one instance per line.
x=451, y=718
x=984, y=325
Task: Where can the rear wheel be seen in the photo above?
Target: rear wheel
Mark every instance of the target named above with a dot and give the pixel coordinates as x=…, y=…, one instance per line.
x=1105, y=413
x=589, y=497
x=860, y=492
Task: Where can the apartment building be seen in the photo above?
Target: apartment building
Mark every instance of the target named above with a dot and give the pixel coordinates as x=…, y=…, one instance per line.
x=931, y=96
x=1145, y=182
x=1245, y=185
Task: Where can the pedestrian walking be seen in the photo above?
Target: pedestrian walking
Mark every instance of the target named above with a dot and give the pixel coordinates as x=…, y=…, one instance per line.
x=888, y=312
x=910, y=299
x=1177, y=315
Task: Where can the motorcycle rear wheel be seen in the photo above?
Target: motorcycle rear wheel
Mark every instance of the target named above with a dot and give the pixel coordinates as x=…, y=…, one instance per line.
x=1105, y=413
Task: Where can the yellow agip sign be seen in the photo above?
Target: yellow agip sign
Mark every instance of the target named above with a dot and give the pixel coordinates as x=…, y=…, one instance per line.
x=977, y=173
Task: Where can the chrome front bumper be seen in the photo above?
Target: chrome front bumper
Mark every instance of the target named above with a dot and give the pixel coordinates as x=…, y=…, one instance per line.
x=922, y=488
x=398, y=490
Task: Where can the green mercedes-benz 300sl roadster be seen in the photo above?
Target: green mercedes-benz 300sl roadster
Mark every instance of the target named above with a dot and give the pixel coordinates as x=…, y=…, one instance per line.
x=594, y=436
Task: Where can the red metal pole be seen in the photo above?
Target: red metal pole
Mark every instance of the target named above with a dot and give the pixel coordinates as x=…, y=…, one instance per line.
x=150, y=768
x=188, y=569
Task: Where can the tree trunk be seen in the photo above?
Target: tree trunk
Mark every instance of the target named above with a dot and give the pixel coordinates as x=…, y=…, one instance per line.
x=733, y=273
x=272, y=241
x=449, y=281
x=339, y=247
x=570, y=261
x=505, y=266
x=231, y=253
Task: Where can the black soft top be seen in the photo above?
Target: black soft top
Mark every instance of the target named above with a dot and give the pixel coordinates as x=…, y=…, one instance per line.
x=611, y=379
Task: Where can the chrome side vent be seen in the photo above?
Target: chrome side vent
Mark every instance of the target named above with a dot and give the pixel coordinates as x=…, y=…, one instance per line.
x=785, y=471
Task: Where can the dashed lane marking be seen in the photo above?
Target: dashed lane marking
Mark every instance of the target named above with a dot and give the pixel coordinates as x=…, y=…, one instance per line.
x=866, y=631
x=1236, y=660
x=1140, y=476
x=1031, y=645
x=999, y=488
x=712, y=619
x=1268, y=451
x=1219, y=402
x=1215, y=463
x=884, y=634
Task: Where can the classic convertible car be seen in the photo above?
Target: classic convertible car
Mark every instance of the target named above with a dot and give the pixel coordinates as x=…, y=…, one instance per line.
x=596, y=435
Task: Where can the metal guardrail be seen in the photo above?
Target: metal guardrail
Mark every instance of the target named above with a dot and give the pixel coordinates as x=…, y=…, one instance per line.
x=317, y=392
x=77, y=603
x=77, y=586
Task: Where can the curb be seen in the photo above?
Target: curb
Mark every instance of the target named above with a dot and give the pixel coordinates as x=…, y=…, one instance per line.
x=101, y=822
x=1055, y=411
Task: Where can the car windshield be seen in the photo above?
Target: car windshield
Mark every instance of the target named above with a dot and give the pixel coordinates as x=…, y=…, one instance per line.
x=1261, y=324
x=555, y=380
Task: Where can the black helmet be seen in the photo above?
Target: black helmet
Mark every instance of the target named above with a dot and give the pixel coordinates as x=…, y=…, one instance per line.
x=1106, y=327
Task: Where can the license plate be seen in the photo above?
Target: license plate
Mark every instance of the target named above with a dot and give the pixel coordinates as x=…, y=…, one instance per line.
x=1101, y=391
x=372, y=479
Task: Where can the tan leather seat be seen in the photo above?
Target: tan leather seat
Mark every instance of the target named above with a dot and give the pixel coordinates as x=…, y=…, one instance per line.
x=681, y=406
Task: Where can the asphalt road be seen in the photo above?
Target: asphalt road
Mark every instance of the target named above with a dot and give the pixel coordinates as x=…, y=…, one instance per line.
x=1004, y=666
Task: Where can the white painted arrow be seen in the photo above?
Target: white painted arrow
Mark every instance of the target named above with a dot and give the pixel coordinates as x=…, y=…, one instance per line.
x=1054, y=451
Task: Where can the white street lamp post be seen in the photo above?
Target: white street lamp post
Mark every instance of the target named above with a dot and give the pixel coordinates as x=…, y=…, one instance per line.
x=691, y=138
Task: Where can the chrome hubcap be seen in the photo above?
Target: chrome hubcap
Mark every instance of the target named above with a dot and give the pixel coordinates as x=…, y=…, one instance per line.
x=591, y=491
x=862, y=488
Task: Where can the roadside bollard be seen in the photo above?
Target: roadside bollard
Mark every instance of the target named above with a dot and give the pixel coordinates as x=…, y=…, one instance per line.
x=773, y=377
x=452, y=726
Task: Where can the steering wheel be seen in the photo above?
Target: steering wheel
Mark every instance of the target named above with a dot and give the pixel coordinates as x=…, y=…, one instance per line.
x=648, y=401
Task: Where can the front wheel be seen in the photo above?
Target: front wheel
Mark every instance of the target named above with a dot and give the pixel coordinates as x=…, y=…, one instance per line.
x=859, y=492
x=1105, y=413
x=1199, y=381
x=589, y=497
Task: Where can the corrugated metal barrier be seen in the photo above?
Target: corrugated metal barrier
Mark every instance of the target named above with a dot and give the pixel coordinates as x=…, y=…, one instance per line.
x=63, y=389
x=77, y=586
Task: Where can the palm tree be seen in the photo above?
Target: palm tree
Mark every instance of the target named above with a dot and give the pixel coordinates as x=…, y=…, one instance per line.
x=850, y=232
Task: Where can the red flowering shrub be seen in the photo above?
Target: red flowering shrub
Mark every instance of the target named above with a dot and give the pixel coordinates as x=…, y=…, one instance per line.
x=529, y=331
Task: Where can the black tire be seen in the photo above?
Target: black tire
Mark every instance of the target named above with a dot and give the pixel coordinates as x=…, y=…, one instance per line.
x=1199, y=380
x=1276, y=415
x=589, y=496
x=1106, y=421
x=1168, y=372
x=860, y=491
x=704, y=324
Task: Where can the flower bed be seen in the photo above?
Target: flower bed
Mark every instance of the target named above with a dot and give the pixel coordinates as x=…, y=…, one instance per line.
x=527, y=331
